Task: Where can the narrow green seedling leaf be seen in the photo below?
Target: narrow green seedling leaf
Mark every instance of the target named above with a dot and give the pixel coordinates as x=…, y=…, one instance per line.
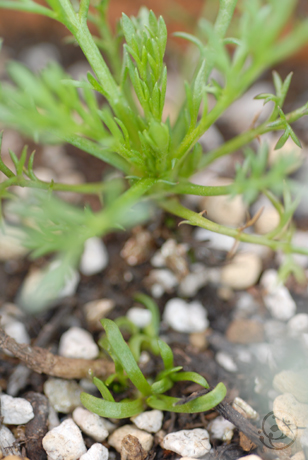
x=111, y=409
x=77, y=84
x=294, y=138
x=191, y=376
x=198, y=92
x=125, y=357
x=201, y=404
x=169, y=372
x=153, y=23
x=30, y=167
x=232, y=41
x=128, y=29
x=166, y=354
x=22, y=161
x=14, y=159
x=152, y=330
x=3, y=167
x=277, y=83
x=161, y=386
x=282, y=140
x=104, y=391
x=191, y=38
x=136, y=343
x=95, y=85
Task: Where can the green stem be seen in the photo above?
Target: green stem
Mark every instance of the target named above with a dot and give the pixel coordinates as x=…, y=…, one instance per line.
x=92, y=188
x=83, y=10
x=96, y=61
x=224, y=17
x=187, y=188
x=28, y=8
x=243, y=139
x=192, y=218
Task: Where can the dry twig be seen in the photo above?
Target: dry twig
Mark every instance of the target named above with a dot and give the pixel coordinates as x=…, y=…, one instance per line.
x=43, y=362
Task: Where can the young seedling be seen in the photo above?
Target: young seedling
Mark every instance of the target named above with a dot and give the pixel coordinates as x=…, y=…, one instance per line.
x=125, y=357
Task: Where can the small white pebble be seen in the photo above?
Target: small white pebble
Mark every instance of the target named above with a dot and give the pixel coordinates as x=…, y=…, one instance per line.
x=195, y=280
x=250, y=457
x=92, y=424
x=115, y=440
x=223, y=209
x=15, y=411
x=53, y=419
x=245, y=305
x=94, y=258
x=8, y=445
x=149, y=421
x=64, y=395
x=64, y=442
x=188, y=443
x=214, y=240
x=225, y=361
x=221, y=429
x=17, y=331
x=269, y=218
x=96, y=310
x=78, y=343
x=298, y=325
x=141, y=317
x=269, y=280
x=280, y=304
x=161, y=281
x=242, y=272
x=277, y=297
x=96, y=452
x=184, y=317
x=245, y=409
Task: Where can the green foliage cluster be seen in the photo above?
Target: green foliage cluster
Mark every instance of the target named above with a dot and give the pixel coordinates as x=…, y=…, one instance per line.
x=126, y=356
x=116, y=115
x=128, y=131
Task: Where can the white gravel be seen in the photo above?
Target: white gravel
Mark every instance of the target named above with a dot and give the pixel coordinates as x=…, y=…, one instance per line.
x=92, y=424
x=222, y=429
x=184, y=317
x=141, y=317
x=277, y=297
x=96, y=452
x=226, y=361
x=145, y=439
x=150, y=421
x=8, y=442
x=64, y=442
x=64, y=395
x=15, y=411
x=188, y=443
x=94, y=258
x=78, y=343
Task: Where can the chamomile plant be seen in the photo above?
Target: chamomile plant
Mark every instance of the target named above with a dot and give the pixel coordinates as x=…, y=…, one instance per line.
x=148, y=392
x=125, y=126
